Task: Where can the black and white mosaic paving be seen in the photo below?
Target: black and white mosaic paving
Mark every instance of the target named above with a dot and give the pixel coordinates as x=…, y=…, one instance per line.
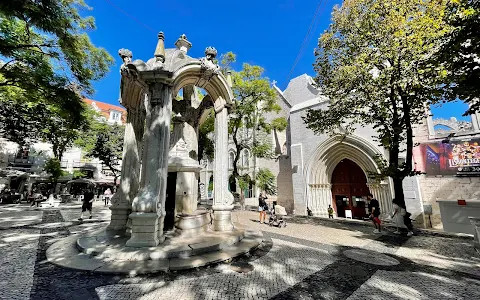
x=284, y=267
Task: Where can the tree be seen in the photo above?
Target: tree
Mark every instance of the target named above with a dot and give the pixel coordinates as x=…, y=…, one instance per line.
x=460, y=53
x=60, y=130
x=254, y=98
x=372, y=63
x=20, y=119
x=54, y=168
x=205, y=143
x=48, y=58
x=266, y=181
x=109, y=147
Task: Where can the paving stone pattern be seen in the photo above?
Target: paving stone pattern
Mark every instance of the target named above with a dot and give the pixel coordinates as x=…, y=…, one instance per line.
x=416, y=285
x=285, y=265
x=305, y=260
x=18, y=251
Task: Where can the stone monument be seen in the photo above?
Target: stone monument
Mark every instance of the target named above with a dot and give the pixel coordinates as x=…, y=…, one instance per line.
x=160, y=171
x=151, y=150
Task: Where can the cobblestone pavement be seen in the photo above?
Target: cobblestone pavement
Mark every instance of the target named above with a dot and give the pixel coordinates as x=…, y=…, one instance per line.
x=309, y=259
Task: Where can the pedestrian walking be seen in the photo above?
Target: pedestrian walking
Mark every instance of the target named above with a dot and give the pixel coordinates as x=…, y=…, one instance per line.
x=262, y=207
x=106, y=196
x=374, y=212
x=330, y=212
x=87, y=202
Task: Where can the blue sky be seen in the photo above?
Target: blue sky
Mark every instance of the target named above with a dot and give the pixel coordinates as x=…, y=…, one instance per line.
x=268, y=33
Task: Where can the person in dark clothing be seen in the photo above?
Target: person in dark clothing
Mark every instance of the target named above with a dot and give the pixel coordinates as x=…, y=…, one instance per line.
x=87, y=202
x=374, y=212
x=262, y=207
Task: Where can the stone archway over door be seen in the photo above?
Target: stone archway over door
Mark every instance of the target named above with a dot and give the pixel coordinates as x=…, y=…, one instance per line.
x=349, y=189
x=320, y=166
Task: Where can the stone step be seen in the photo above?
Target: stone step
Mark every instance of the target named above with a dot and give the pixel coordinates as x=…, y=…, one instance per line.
x=65, y=253
x=249, y=243
x=113, y=247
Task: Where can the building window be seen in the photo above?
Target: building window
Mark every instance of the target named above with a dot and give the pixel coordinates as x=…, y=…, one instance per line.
x=115, y=116
x=231, y=159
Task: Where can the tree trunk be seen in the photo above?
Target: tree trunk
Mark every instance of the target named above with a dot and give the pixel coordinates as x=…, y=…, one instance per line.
x=398, y=187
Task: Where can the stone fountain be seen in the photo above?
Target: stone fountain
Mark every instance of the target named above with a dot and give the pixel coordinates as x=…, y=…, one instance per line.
x=155, y=224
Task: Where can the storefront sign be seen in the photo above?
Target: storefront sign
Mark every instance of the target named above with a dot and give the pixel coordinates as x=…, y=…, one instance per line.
x=461, y=158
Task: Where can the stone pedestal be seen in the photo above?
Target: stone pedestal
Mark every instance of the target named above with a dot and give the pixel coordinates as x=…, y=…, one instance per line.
x=190, y=225
x=145, y=230
x=119, y=218
x=222, y=220
x=476, y=232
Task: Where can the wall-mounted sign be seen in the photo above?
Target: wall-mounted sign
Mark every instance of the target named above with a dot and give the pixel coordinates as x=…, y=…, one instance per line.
x=461, y=158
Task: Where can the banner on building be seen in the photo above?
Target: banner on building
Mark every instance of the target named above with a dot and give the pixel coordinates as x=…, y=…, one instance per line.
x=461, y=158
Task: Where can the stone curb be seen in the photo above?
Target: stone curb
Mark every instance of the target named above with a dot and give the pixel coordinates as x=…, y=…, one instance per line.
x=386, y=224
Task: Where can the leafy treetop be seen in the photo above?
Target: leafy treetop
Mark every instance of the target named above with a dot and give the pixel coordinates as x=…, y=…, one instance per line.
x=372, y=63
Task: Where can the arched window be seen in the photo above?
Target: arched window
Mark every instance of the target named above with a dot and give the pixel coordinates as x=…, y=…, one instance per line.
x=245, y=159
x=231, y=159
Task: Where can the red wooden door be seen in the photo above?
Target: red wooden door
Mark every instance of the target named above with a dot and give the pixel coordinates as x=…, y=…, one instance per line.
x=349, y=185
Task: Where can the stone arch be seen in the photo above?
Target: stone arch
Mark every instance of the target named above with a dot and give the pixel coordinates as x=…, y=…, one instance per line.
x=192, y=73
x=319, y=168
x=328, y=154
x=204, y=74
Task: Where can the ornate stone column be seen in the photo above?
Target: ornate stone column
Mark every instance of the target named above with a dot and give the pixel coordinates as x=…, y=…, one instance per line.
x=122, y=199
x=222, y=198
x=131, y=96
x=320, y=196
x=380, y=191
x=149, y=205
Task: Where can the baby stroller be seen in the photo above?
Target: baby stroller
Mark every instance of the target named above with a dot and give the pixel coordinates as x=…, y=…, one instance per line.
x=276, y=216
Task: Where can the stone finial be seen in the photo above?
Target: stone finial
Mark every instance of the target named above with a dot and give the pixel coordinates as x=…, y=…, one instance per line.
x=183, y=44
x=229, y=78
x=160, y=50
x=210, y=53
x=274, y=83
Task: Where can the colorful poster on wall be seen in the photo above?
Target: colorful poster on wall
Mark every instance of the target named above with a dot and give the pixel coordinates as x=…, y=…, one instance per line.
x=461, y=158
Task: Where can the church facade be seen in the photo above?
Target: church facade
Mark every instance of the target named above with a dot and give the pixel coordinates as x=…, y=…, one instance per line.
x=315, y=171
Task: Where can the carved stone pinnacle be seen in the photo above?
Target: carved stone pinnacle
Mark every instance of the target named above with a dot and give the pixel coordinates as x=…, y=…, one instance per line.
x=183, y=44
x=125, y=53
x=210, y=51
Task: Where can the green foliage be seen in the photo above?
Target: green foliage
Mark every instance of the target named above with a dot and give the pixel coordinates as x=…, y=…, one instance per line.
x=266, y=181
x=109, y=147
x=254, y=99
x=460, y=53
x=372, y=63
x=20, y=120
x=78, y=174
x=53, y=167
x=210, y=184
x=47, y=62
x=88, y=137
x=205, y=143
x=60, y=130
